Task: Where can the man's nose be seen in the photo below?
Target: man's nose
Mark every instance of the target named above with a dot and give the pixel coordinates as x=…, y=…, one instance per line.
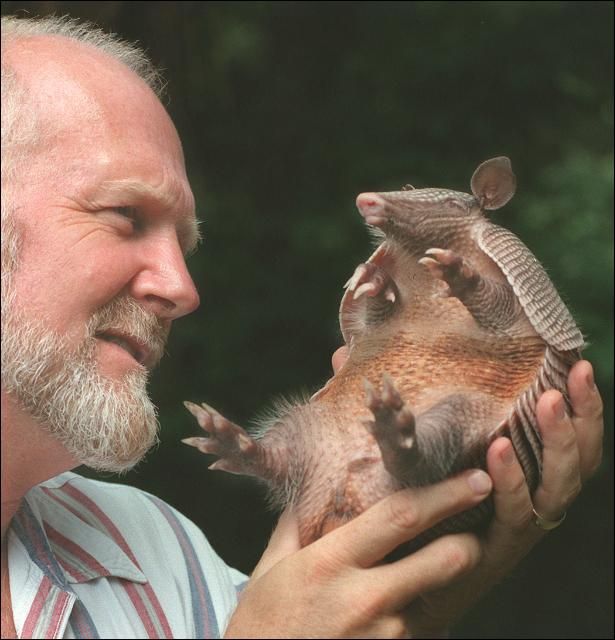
x=164, y=285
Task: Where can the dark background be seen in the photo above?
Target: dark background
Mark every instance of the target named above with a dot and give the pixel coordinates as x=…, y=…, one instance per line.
x=287, y=111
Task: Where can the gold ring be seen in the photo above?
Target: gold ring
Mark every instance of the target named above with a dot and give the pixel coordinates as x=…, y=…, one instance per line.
x=547, y=525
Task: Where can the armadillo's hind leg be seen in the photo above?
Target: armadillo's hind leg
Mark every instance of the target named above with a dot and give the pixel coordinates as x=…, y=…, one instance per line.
x=238, y=451
x=393, y=427
x=492, y=304
x=415, y=450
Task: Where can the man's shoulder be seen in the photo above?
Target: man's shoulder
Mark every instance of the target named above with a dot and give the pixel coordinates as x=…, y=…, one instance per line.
x=90, y=492
x=117, y=515
x=112, y=507
x=89, y=485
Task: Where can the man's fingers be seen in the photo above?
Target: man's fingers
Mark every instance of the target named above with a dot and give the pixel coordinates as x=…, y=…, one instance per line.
x=584, y=395
x=561, y=479
x=339, y=358
x=432, y=567
x=401, y=516
x=511, y=498
x=283, y=542
x=587, y=416
x=511, y=533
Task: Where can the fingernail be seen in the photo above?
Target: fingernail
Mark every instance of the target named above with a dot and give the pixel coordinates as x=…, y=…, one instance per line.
x=558, y=409
x=507, y=455
x=589, y=380
x=480, y=482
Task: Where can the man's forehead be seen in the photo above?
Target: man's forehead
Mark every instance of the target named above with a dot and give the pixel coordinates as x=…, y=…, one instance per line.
x=53, y=80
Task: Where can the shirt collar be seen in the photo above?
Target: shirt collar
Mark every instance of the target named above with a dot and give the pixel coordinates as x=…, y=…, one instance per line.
x=64, y=544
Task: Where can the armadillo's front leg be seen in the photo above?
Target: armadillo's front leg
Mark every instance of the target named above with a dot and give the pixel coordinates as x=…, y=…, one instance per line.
x=493, y=305
x=374, y=296
x=239, y=452
x=415, y=450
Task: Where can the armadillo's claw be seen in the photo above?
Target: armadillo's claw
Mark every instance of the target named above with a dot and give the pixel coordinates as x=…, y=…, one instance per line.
x=371, y=280
x=390, y=396
x=198, y=443
x=223, y=465
x=445, y=256
x=357, y=277
x=439, y=261
x=204, y=418
x=434, y=268
x=405, y=425
x=193, y=408
x=427, y=262
x=209, y=409
x=452, y=269
x=193, y=442
x=368, y=288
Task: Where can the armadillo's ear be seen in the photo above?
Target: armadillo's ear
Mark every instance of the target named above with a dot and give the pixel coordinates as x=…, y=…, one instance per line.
x=494, y=183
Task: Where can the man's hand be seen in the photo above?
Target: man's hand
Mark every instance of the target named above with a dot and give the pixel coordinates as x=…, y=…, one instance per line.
x=338, y=587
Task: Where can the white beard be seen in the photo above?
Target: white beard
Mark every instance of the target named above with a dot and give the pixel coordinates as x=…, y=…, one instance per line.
x=106, y=424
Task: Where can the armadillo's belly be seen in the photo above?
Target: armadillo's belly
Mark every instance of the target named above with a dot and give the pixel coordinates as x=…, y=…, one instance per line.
x=343, y=474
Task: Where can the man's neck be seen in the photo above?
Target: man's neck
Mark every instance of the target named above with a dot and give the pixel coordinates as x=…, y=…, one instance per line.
x=30, y=456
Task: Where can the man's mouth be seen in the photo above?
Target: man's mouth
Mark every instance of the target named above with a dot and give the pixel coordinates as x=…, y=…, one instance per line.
x=135, y=348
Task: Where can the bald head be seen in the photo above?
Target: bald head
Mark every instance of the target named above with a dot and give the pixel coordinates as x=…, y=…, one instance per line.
x=22, y=128
x=75, y=88
x=131, y=56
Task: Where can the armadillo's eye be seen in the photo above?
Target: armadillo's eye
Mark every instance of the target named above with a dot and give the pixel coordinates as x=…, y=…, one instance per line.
x=458, y=205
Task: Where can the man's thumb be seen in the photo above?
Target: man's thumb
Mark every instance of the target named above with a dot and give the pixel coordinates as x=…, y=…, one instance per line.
x=283, y=542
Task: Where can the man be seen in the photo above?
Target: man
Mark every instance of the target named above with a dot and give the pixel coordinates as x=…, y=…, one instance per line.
x=97, y=218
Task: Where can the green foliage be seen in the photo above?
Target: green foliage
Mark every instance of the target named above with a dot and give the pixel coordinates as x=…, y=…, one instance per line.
x=570, y=210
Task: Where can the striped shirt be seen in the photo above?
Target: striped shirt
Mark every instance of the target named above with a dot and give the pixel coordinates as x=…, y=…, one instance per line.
x=91, y=559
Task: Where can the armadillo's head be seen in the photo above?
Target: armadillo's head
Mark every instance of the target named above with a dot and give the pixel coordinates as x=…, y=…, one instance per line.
x=416, y=214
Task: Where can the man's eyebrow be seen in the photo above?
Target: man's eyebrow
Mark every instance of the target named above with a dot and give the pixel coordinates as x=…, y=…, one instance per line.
x=187, y=226
x=192, y=235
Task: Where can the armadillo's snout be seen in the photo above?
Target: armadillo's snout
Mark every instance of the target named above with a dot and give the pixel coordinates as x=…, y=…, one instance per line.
x=372, y=208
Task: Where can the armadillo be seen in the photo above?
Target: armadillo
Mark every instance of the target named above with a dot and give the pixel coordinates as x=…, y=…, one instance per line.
x=454, y=330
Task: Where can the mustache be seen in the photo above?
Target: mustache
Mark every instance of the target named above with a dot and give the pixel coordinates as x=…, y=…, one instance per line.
x=126, y=316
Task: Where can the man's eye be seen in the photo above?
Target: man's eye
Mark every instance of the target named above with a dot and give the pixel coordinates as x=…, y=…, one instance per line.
x=131, y=213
